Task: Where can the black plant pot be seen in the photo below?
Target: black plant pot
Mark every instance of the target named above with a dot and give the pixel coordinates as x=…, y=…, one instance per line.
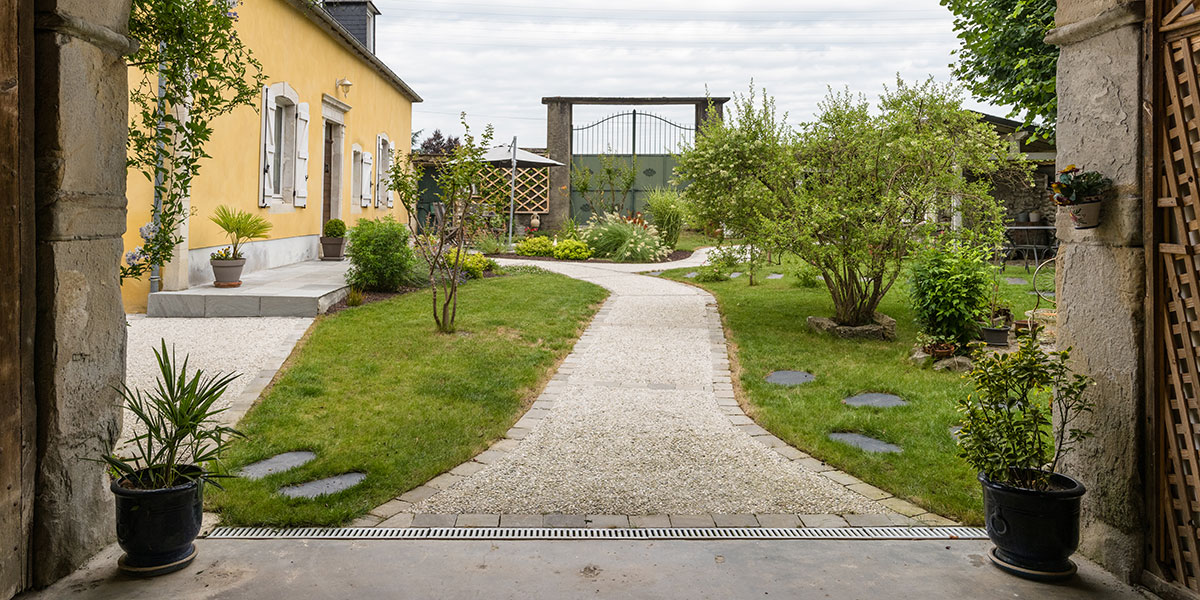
x=995, y=336
x=156, y=528
x=1035, y=532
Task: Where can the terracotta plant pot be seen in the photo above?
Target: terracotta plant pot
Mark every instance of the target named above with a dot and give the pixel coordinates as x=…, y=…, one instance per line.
x=1086, y=215
x=940, y=351
x=227, y=273
x=333, y=248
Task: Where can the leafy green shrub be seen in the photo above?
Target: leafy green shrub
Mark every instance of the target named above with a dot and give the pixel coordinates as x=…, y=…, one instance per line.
x=949, y=285
x=570, y=229
x=572, y=250
x=474, y=265
x=711, y=274
x=535, y=246
x=666, y=208
x=490, y=244
x=726, y=257
x=335, y=228
x=380, y=257
x=624, y=239
x=807, y=276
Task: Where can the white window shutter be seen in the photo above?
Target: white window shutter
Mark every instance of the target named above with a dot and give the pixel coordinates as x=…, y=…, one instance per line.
x=301, y=198
x=266, y=182
x=367, y=188
x=381, y=154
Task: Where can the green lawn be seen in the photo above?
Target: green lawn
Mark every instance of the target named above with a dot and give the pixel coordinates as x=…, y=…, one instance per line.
x=690, y=240
x=767, y=324
x=376, y=390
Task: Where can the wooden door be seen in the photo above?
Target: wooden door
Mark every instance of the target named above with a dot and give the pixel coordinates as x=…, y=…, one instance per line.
x=17, y=408
x=327, y=177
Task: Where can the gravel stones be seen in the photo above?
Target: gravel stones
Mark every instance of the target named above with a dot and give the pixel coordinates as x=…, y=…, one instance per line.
x=790, y=377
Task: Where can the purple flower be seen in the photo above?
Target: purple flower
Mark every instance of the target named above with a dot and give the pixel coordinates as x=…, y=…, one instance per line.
x=149, y=230
x=135, y=256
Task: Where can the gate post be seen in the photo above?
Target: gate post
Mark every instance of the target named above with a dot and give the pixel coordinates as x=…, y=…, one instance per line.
x=1102, y=271
x=558, y=147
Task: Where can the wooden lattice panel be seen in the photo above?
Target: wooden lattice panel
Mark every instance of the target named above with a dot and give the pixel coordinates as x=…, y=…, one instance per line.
x=533, y=188
x=1176, y=512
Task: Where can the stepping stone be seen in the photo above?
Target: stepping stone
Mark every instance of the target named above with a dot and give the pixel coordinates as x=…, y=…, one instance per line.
x=790, y=377
x=276, y=464
x=775, y=276
x=1015, y=281
x=875, y=399
x=1033, y=293
x=654, y=273
x=863, y=442
x=735, y=275
x=321, y=487
x=691, y=275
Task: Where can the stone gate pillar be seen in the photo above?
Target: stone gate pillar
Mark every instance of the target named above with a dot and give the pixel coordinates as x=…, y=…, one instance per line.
x=558, y=147
x=1102, y=271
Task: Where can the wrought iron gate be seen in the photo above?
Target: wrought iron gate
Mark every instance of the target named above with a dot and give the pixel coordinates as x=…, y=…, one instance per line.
x=633, y=132
x=1173, y=40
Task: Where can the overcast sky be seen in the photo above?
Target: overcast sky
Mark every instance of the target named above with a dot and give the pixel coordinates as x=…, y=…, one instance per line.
x=496, y=60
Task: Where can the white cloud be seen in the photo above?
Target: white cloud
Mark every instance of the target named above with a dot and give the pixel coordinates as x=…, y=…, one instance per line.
x=497, y=60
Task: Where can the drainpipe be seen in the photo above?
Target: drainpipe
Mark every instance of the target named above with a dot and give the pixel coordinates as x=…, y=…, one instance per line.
x=155, y=274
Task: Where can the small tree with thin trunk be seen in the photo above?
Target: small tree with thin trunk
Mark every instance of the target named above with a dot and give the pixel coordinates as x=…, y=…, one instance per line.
x=875, y=181
x=460, y=178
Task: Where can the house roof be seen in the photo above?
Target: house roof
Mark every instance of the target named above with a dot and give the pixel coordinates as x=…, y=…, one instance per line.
x=325, y=21
x=1009, y=126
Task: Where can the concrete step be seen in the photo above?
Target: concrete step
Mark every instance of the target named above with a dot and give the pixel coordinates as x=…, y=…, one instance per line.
x=301, y=290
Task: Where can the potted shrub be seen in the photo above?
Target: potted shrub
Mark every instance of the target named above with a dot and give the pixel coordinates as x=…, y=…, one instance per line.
x=333, y=242
x=999, y=318
x=160, y=488
x=1031, y=511
x=241, y=227
x=1081, y=193
x=937, y=347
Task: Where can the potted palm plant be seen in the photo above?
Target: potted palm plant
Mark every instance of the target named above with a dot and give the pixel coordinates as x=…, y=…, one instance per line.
x=333, y=242
x=1017, y=425
x=241, y=227
x=1081, y=193
x=159, y=488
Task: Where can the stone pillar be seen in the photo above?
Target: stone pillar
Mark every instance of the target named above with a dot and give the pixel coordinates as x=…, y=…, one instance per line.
x=702, y=113
x=81, y=126
x=1102, y=271
x=558, y=147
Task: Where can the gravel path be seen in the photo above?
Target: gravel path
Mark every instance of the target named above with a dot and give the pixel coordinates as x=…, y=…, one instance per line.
x=254, y=347
x=636, y=428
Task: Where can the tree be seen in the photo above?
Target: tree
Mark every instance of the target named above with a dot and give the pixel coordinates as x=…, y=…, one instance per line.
x=1003, y=58
x=600, y=190
x=871, y=181
x=192, y=68
x=743, y=174
x=460, y=178
x=439, y=144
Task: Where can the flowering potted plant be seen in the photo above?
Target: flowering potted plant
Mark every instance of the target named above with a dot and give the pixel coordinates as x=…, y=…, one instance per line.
x=159, y=488
x=333, y=242
x=241, y=227
x=937, y=346
x=1081, y=193
x=1017, y=426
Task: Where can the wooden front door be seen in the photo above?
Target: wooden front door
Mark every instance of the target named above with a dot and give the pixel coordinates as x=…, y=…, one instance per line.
x=17, y=408
x=327, y=170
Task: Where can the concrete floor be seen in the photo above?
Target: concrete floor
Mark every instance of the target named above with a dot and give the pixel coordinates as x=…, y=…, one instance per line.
x=269, y=569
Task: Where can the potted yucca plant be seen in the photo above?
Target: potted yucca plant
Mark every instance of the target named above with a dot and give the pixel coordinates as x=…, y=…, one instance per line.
x=333, y=242
x=1016, y=426
x=241, y=227
x=159, y=485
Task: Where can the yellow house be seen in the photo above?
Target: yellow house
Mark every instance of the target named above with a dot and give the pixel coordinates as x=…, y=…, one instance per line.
x=325, y=129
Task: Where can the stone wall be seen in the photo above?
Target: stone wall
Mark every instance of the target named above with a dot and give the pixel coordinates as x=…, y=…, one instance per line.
x=1102, y=271
x=81, y=126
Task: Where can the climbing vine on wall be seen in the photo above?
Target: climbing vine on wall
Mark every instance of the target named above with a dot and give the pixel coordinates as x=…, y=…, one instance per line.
x=193, y=68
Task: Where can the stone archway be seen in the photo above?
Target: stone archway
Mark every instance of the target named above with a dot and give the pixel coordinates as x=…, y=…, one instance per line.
x=63, y=208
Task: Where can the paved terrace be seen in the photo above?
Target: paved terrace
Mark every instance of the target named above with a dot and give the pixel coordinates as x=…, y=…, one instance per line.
x=303, y=289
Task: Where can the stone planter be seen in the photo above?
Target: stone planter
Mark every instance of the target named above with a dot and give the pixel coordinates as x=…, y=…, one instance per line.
x=227, y=273
x=1086, y=215
x=333, y=248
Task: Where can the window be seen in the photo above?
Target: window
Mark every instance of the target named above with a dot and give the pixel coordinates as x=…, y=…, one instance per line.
x=277, y=168
x=356, y=163
x=284, y=146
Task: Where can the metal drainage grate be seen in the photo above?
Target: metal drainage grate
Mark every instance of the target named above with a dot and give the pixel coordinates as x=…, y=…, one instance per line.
x=543, y=533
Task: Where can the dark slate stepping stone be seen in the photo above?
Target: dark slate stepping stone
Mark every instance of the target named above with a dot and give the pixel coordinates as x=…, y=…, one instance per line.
x=321, y=487
x=863, y=442
x=1033, y=293
x=691, y=275
x=875, y=399
x=775, y=276
x=735, y=275
x=790, y=377
x=654, y=273
x=276, y=464
x=1015, y=281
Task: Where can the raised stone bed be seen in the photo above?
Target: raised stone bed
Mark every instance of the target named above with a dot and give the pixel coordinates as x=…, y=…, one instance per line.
x=884, y=328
